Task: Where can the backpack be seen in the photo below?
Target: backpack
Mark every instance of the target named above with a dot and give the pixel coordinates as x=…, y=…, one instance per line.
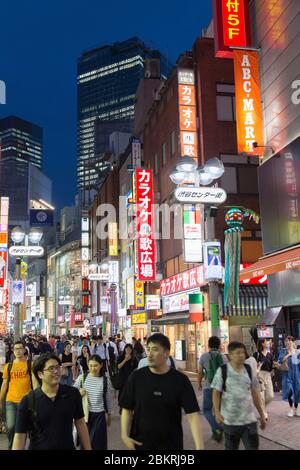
x=224, y=374
x=9, y=369
x=215, y=361
x=111, y=354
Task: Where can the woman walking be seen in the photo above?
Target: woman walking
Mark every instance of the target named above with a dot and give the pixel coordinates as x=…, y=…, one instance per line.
x=126, y=363
x=265, y=361
x=289, y=364
x=98, y=389
x=67, y=363
x=83, y=360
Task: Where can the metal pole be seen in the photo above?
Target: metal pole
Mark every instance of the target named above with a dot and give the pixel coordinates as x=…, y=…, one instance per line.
x=213, y=286
x=17, y=308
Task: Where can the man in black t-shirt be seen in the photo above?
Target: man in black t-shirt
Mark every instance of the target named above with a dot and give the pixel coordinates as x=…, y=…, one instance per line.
x=152, y=401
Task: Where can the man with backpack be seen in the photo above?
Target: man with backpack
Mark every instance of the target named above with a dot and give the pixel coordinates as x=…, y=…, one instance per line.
x=208, y=366
x=235, y=392
x=17, y=383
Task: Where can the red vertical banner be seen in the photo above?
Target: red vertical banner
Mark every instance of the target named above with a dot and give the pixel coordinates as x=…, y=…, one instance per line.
x=145, y=225
x=232, y=26
x=249, y=113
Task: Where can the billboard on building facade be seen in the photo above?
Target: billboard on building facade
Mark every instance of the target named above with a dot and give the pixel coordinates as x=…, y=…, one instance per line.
x=187, y=113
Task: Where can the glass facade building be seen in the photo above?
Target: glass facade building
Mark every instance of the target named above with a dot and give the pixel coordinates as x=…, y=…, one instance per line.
x=21, y=141
x=107, y=82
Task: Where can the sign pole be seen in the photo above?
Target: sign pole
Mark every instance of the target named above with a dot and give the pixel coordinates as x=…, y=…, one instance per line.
x=17, y=309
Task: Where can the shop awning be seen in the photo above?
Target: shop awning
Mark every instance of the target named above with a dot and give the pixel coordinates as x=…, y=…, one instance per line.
x=272, y=316
x=175, y=319
x=253, y=301
x=288, y=259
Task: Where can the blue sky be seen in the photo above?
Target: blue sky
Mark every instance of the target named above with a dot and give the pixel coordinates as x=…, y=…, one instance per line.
x=40, y=42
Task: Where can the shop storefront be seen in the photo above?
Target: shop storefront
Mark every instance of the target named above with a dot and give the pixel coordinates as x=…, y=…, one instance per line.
x=139, y=325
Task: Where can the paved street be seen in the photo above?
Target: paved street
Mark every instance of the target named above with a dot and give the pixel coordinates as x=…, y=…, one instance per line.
x=282, y=433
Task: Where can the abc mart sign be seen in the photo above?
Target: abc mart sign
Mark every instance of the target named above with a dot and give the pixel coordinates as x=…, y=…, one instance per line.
x=30, y=251
x=200, y=195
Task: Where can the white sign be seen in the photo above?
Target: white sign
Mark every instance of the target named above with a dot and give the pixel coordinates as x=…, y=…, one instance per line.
x=67, y=316
x=114, y=271
x=17, y=288
x=19, y=251
x=179, y=350
x=99, y=277
x=177, y=303
x=64, y=302
x=136, y=153
x=86, y=323
x=201, y=195
x=85, y=254
x=152, y=302
x=213, y=270
x=186, y=77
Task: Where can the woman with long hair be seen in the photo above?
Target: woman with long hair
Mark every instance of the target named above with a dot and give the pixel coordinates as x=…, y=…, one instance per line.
x=98, y=389
x=289, y=364
x=265, y=362
x=83, y=359
x=127, y=363
x=67, y=363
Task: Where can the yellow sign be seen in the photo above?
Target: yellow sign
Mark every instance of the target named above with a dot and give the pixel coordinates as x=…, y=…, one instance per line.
x=139, y=294
x=138, y=318
x=113, y=238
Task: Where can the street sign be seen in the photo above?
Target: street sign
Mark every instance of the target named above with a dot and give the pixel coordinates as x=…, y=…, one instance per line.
x=64, y=302
x=41, y=218
x=201, y=195
x=67, y=316
x=98, y=277
x=28, y=251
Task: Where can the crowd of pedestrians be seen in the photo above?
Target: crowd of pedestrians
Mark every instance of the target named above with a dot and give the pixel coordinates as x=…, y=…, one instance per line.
x=60, y=392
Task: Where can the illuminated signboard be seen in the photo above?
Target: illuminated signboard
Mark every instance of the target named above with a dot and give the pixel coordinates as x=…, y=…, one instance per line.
x=113, y=239
x=187, y=113
x=249, y=115
x=139, y=295
x=231, y=26
x=138, y=318
x=193, y=233
x=182, y=282
x=145, y=229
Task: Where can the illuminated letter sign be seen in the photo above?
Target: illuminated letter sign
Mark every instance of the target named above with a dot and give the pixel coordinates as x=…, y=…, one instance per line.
x=187, y=113
x=145, y=241
x=231, y=26
x=249, y=116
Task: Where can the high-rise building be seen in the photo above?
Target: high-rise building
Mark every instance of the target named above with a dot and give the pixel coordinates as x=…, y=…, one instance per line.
x=108, y=78
x=21, y=141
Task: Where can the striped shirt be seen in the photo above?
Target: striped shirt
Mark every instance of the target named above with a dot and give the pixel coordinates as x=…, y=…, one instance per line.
x=94, y=389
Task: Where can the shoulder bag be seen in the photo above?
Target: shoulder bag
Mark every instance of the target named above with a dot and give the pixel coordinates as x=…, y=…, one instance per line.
x=85, y=401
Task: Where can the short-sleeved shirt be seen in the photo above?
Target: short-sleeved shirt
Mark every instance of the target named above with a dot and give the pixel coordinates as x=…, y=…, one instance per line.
x=54, y=419
x=237, y=405
x=204, y=362
x=19, y=384
x=157, y=401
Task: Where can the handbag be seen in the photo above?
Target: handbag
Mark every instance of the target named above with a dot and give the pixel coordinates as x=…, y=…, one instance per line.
x=85, y=402
x=64, y=372
x=283, y=367
x=115, y=378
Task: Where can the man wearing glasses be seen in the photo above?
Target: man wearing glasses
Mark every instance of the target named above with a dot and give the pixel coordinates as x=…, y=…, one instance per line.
x=48, y=413
x=17, y=383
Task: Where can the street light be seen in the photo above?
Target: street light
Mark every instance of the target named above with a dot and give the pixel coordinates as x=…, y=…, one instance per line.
x=35, y=235
x=187, y=171
x=17, y=234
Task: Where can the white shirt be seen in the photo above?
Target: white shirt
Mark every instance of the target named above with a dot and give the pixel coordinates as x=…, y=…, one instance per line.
x=144, y=362
x=94, y=389
x=101, y=350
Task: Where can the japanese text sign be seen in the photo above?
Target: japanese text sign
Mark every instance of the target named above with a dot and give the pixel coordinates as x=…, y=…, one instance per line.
x=249, y=115
x=145, y=229
x=187, y=113
x=139, y=295
x=187, y=280
x=113, y=239
x=231, y=26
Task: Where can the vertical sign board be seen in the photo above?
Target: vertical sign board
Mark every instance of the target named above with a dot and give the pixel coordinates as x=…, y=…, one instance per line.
x=249, y=115
x=136, y=150
x=187, y=113
x=192, y=233
x=113, y=239
x=139, y=295
x=232, y=26
x=213, y=270
x=145, y=225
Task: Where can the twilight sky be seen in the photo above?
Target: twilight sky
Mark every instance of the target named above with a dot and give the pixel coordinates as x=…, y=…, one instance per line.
x=40, y=42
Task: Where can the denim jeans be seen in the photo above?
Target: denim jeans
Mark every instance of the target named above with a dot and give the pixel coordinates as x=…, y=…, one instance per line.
x=11, y=416
x=207, y=409
x=248, y=434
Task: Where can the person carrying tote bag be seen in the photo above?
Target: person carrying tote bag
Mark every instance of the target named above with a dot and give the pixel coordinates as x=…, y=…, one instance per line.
x=96, y=391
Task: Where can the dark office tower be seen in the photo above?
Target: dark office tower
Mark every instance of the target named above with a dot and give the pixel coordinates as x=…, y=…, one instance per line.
x=108, y=78
x=21, y=141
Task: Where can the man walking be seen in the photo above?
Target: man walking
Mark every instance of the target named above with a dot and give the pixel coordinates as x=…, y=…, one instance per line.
x=48, y=413
x=152, y=400
x=17, y=382
x=235, y=392
x=208, y=366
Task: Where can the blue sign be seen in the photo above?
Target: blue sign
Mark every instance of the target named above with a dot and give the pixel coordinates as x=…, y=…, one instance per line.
x=41, y=217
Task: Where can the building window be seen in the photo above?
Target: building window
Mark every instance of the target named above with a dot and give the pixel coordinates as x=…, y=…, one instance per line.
x=156, y=164
x=164, y=154
x=173, y=143
x=226, y=102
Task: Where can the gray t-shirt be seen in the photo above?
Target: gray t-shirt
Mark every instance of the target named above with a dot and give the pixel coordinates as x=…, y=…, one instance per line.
x=204, y=362
x=237, y=405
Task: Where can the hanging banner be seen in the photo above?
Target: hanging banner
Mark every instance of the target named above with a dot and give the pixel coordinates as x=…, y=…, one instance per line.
x=17, y=288
x=249, y=114
x=213, y=270
x=187, y=113
x=232, y=26
x=139, y=295
x=145, y=228
x=113, y=239
x=3, y=265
